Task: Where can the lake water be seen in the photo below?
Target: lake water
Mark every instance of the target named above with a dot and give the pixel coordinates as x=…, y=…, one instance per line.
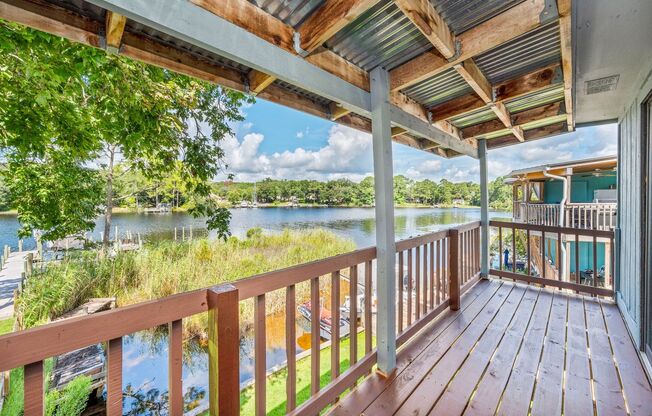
x=354, y=223
x=145, y=356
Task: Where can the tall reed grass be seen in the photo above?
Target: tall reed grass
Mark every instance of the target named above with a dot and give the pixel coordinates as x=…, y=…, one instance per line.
x=166, y=268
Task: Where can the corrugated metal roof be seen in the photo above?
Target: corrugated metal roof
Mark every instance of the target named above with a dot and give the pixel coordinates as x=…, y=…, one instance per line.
x=476, y=117
x=535, y=49
x=462, y=15
x=382, y=36
x=313, y=97
x=549, y=95
x=291, y=12
x=442, y=87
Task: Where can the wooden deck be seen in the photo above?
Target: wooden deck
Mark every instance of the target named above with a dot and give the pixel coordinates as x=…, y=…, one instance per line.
x=513, y=349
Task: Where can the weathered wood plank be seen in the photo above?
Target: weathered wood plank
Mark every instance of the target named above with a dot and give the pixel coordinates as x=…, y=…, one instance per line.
x=577, y=393
x=426, y=18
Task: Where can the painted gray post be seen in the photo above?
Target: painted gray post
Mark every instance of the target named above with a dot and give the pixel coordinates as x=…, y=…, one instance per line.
x=386, y=248
x=484, y=209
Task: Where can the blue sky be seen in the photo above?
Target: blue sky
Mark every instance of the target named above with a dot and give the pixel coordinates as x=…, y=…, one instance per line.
x=278, y=142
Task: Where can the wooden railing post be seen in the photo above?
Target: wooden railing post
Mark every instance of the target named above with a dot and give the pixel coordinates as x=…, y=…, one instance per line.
x=454, y=265
x=223, y=350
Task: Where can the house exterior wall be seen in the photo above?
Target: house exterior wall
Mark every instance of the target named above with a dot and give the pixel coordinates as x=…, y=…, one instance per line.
x=582, y=188
x=629, y=285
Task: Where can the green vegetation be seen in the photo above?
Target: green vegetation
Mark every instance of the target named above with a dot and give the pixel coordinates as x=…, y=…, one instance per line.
x=6, y=326
x=276, y=382
x=344, y=192
x=167, y=268
x=69, y=113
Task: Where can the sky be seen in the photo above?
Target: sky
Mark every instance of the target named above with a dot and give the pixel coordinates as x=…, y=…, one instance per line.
x=281, y=143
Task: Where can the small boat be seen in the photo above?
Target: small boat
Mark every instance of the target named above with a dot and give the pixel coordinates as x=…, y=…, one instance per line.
x=325, y=321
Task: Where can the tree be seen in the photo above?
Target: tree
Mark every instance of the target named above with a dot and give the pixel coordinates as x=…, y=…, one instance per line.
x=65, y=108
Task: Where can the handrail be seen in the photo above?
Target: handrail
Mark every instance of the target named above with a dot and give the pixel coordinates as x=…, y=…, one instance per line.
x=553, y=229
x=440, y=266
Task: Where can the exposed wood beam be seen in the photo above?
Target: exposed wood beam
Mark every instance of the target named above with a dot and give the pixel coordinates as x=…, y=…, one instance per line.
x=476, y=79
x=535, y=81
x=337, y=111
x=329, y=19
x=530, y=135
x=115, y=27
x=397, y=131
x=517, y=131
x=258, y=81
x=547, y=111
x=426, y=18
x=512, y=23
x=567, y=66
x=501, y=112
x=564, y=7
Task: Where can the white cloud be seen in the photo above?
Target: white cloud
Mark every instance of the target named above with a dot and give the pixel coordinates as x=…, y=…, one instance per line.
x=300, y=135
x=346, y=154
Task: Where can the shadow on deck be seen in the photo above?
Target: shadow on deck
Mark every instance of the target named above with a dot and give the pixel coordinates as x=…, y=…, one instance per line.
x=513, y=349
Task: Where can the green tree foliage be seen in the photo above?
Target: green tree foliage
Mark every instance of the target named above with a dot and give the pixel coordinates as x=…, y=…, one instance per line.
x=66, y=109
x=344, y=192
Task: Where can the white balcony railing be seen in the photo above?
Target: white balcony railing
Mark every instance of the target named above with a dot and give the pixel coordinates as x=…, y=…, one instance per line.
x=586, y=216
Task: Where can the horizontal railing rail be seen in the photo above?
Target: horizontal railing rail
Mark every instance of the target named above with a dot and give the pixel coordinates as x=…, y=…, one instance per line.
x=556, y=249
x=433, y=270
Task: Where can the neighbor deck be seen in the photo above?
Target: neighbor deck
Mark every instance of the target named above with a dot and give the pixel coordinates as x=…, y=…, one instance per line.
x=513, y=349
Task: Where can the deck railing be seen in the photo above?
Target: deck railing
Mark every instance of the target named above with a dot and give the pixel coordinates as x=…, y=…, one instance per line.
x=588, y=216
x=550, y=242
x=433, y=270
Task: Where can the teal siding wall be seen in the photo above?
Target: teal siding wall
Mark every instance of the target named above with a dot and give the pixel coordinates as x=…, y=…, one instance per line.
x=582, y=187
x=586, y=254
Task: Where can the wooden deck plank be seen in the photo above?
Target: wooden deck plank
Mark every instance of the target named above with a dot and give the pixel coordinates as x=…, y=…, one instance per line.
x=609, y=398
x=490, y=388
x=401, y=389
x=578, y=397
x=636, y=386
x=459, y=391
x=518, y=392
x=359, y=399
x=499, y=311
x=548, y=391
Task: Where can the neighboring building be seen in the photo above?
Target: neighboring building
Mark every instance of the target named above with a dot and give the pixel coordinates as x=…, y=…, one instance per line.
x=576, y=194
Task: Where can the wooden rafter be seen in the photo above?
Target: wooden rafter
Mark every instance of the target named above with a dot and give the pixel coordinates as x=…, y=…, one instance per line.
x=476, y=79
x=258, y=81
x=532, y=82
x=115, y=27
x=329, y=19
x=567, y=66
x=541, y=113
x=508, y=25
x=530, y=135
x=337, y=111
x=424, y=16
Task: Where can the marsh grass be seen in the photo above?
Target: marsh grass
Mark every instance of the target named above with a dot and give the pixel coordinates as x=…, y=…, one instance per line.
x=166, y=268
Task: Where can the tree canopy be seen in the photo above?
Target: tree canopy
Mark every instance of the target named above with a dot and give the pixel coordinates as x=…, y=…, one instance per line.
x=69, y=113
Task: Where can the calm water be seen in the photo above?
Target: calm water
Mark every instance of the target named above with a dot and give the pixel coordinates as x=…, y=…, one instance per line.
x=354, y=223
x=145, y=356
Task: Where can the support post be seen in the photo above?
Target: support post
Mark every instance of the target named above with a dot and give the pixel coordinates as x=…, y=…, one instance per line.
x=223, y=350
x=381, y=130
x=484, y=210
x=454, y=268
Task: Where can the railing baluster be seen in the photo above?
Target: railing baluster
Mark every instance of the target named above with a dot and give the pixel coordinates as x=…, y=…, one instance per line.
x=314, y=335
x=400, y=291
x=544, y=262
x=558, y=257
x=260, y=355
x=500, y=248
x=290, y=348
x=367, y=307
x=175, y=367
x=529, y=254
x=353, y=334
x=453, y=264
x=409, y=287
x=577, y=260
x=595, y=262
x=417, y=281
x=432, y=275
x=33, y=389
x=335, y=325
x=611, y=263
x=439, y=270
x=114, y=377
x=224, y=362
x=424, y=277
x=513, y=249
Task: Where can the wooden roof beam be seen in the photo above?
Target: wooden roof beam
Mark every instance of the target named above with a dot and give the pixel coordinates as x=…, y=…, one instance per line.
x=547, y=111
x=426, y=18
x=530, y=135
x=258, y=81
x=476, y=79
x=329, y=19
x=567, y=66
x=508, y=25
x=115, y=27
x=532, y=82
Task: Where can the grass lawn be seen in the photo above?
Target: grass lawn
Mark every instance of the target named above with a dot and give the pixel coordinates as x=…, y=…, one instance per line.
x=276, y=383
x=6, y=326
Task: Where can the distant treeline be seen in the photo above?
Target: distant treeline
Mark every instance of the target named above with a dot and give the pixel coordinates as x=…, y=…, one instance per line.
x=344, y=192
x=133, y=190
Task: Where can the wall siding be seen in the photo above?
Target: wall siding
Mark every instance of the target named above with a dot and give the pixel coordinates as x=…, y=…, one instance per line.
x=631, y=247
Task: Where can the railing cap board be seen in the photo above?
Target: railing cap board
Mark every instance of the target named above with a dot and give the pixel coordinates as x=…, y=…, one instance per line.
x=552, y=229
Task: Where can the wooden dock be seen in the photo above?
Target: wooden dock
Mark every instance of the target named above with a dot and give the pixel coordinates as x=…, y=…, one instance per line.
x=10, y=278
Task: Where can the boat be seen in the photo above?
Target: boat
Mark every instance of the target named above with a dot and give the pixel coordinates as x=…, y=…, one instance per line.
x=325, y=321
